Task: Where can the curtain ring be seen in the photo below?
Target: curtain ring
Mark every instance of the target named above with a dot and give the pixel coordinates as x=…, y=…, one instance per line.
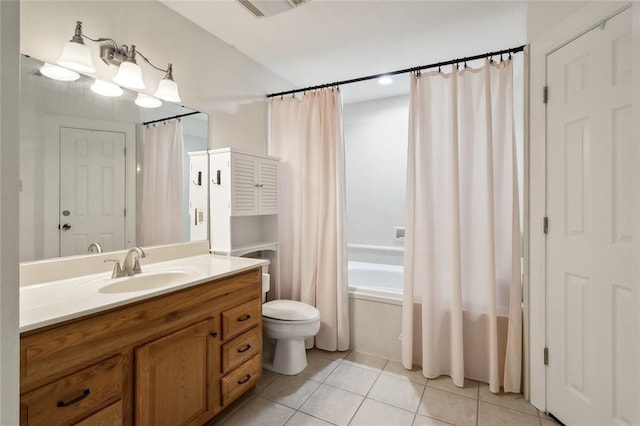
x=465, y=64
x=418, y=73
x=501, y=59
x=439, y=69
x=509, y=55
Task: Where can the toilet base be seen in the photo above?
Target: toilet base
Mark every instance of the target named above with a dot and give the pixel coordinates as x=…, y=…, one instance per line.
x=289, y=357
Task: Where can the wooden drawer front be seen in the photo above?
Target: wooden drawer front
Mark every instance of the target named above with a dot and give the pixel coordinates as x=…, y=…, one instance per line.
x=241, y=349
x=241, y=318
x=74, y=397
x=241, y=379
x=110, y=416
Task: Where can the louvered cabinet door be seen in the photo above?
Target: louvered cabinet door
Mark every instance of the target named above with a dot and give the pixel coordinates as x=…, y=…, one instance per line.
x=268, y=186
x=244, y=181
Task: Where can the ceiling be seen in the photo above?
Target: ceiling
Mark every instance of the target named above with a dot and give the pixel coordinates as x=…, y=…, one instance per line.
x=324, y=41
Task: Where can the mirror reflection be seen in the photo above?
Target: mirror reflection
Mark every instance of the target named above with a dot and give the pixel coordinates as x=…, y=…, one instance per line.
x=93, y=175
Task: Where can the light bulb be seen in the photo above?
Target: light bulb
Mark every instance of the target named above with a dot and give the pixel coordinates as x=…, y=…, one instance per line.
x=146, y=101
x=105, y=88
x=167, y=90
x=59, y=73
x=129, y=75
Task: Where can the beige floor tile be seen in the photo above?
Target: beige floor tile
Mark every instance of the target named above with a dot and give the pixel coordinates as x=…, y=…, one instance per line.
x=548, y=422
x=319, y=368
x=230, y=410
x=514, y=401
x=302, y=419
x=353, y=378
x=449, y=407
x=373, y=413
x=328, y=354
x=259, y=411
x=470, y=388
x=544, y=415
x=397, y=391
x=421, y=420
x=291, y=391
x=333, y=405
x=396, y=369
x=494, y=415
x=367, y=360
x=268, y=376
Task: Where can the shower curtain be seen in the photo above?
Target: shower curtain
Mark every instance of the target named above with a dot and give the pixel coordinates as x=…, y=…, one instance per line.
x=161, y=216
x=462, y=288
x=307, y=136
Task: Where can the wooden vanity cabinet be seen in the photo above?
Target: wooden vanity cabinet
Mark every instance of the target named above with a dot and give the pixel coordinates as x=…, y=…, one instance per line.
x=176, y=359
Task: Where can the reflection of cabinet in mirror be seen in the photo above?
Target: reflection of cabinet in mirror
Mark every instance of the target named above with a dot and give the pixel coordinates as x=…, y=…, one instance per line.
x=244, y=202
x=198, y=195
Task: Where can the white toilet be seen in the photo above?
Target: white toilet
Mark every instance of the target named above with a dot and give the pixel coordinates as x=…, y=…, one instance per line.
x=285, y=326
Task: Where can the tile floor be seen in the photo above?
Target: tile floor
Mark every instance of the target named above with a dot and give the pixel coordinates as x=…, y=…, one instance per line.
x=351, y=388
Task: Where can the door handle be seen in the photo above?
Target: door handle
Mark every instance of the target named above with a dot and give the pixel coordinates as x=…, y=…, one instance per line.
x=66, y=227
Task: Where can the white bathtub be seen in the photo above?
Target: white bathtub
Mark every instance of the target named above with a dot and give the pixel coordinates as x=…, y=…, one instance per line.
x=376, y=280
x=375, y=301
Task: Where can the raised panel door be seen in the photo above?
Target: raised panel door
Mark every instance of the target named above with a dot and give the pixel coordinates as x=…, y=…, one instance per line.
x=244, y=185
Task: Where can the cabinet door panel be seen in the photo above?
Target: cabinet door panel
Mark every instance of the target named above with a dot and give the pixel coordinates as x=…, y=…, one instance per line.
x=244, y=190
x=240, y=349
x=174, y=376
x=268, y=189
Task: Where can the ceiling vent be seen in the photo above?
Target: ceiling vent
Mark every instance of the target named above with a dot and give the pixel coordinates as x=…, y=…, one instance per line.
x=261, y=8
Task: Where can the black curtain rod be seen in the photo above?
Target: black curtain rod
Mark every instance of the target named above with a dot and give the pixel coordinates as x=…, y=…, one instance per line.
x=406, y=70
x=171, y=118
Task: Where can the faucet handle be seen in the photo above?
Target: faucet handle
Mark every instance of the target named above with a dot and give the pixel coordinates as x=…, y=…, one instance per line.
x=117, y=270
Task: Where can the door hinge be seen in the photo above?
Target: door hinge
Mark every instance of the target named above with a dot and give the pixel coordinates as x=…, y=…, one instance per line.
x=546, y=356
x=545, y=94
x=545, y=225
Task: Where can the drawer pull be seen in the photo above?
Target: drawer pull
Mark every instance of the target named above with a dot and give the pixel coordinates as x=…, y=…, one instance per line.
x=244, y=318
x=245, y=380
x=85, y=394
x=244, y=348
x=214, y=334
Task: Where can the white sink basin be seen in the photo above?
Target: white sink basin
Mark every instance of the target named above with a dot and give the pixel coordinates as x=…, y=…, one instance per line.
x=146, y=281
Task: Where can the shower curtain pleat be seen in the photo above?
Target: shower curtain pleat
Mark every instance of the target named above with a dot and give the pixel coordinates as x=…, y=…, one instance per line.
x=307, y=136
x=462, y=288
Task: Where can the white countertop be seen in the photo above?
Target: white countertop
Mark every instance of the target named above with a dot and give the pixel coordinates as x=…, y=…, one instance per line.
x=57, y=301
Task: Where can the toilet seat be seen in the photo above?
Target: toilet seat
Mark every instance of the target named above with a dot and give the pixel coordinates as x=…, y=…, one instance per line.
x=289, y=310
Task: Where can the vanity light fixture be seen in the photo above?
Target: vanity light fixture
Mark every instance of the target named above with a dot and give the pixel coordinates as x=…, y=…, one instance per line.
x=146, y=101
x=105, y=88
x=58, y=73
x=76, y=56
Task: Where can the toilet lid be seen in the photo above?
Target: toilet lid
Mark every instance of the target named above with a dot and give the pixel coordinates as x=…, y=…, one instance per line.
x=289, y=310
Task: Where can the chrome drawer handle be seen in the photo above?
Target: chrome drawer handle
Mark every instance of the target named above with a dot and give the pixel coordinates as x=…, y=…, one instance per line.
x=245, y=380
x=85, y=394
x=244, y=318
x=244, y=348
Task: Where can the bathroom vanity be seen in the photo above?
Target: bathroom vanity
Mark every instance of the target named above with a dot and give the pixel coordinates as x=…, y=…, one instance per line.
x=173, y=355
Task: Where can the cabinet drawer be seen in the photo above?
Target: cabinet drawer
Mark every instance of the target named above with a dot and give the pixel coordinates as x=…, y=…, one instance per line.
x=110, y=416
x=241, y=379
x=241, y=318
x=74, y=397
x=241, y=349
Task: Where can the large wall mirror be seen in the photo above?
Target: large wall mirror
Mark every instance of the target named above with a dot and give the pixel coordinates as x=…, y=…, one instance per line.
x=82, y=166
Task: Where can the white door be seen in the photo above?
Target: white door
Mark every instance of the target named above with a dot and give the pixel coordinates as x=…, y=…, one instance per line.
x=268, y=186
x=92, y=190
x=589, y=283
x=244, y=185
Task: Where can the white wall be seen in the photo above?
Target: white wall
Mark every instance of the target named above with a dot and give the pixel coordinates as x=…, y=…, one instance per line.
x=213, y=77
x=9, y=136
x=376, y=167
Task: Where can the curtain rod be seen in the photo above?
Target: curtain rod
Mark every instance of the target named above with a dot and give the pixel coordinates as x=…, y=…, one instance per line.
x=403, y=71
x=171, y=118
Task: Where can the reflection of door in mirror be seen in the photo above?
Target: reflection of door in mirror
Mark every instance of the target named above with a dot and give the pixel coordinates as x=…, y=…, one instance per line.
x=92, y=190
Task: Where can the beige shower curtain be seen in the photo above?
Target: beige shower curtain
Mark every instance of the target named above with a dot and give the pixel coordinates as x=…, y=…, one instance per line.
x=462, y=288
x=161, y=216
x=307, y=135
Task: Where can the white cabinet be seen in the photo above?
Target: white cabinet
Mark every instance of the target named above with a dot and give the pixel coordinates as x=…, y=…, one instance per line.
x=243, y=202
x=253, y=182
x=198, y=195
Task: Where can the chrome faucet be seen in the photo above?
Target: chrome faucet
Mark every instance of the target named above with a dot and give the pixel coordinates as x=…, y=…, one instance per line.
x=95, y=247
x=131, y=263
